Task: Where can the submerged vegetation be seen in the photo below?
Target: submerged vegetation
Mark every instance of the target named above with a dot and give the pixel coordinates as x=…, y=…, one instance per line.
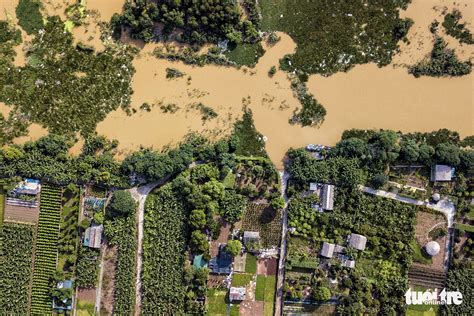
x=48, y=91
x=29, y=15
x=442, y=62
x=455, y=29
x=207, y=113
x=172, y=73
x=334, y=36
x=311, y=112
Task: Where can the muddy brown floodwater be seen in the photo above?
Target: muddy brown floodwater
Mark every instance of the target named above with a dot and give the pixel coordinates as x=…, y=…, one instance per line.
x=365, y=97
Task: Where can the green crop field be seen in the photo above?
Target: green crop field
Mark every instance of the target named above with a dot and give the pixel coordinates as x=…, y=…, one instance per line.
x=16, y=250
x=46, y=248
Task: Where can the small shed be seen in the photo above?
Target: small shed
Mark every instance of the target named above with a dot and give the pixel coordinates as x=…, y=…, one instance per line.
x=93, y=236
x=348, y=263
x=250, y=236
x=313, y=186
x=441, y=173
x=327, y=197
x=237, y=294
x=357, y=241
x=327, y=250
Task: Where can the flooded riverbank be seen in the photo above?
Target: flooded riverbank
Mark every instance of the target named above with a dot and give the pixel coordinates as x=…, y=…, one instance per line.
x=365, y=97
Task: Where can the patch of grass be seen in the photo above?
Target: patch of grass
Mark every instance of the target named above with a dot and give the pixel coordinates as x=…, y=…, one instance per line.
x=333, y=36
x=245, y=54
x=229, y=180
x=235, y=310
x=270, y=285
x=422, y=310
x=470, y=214
x=251, y=263
x=85, y=308
x=29, y=15
x=419, y=254
x=241, y=279
x=2, y=205
x=260, y=288
x=465, y=227
x=216, y=302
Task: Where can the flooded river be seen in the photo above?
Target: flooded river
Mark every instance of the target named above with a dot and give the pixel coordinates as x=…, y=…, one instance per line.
x=365, y=97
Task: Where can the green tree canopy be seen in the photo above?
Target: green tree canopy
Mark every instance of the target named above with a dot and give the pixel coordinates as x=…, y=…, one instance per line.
x=121, y=204
x=233, y=247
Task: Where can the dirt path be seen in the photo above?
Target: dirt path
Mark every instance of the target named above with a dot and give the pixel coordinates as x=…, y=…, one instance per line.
x=140, y=194
x=284, y=231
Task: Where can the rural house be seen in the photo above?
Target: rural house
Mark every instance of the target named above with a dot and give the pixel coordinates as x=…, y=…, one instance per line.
x=28, y=186
x=222, y=263
x=313, y=186
x=441, y=173
x=357, y=241
x=93, y=236
x=327, y=197
x=327, y=250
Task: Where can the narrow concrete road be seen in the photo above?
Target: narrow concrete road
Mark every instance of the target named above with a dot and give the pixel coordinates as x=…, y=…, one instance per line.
x=98, y=293
x=444, y=206
x=140, y=194
x=284, y=176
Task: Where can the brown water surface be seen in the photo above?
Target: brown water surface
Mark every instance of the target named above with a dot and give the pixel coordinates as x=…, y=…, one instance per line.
x=365, y=97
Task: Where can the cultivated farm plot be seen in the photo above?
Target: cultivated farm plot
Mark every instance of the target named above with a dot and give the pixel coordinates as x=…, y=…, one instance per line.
x=265, y=220
x=21, y=214
x=16, y=255
x=46, y=248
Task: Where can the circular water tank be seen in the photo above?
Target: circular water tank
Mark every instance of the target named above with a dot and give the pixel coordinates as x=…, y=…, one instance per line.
x=436, y=197
x=432, y=248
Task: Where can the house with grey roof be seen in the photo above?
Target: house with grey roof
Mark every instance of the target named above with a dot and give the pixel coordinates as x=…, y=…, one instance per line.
x=93, y=236
x=347, y=263
x=327, y=197
x=441, y=173
x=357, y=241
x=327, y=250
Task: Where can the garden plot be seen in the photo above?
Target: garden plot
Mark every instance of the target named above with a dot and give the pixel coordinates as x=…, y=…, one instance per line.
x=265, y=220
x=430, y=227
x=17, y=213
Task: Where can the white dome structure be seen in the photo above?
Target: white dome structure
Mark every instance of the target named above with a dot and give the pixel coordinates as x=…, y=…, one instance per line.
x=432, y=248
x=436, y=197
